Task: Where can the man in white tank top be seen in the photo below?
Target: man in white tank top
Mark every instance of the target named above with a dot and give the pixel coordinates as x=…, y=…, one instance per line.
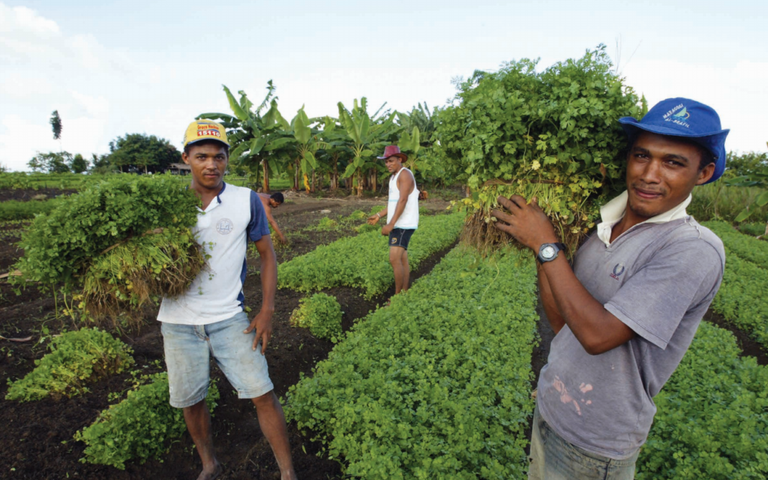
x=402, y=213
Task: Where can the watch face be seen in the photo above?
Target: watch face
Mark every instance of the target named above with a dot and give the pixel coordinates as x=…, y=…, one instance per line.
x=548, y=252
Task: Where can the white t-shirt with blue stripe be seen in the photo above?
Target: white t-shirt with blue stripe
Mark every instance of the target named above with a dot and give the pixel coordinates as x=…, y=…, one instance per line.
x=235, y=216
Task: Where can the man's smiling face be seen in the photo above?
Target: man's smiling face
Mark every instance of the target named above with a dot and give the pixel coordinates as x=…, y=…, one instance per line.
x=661, y=173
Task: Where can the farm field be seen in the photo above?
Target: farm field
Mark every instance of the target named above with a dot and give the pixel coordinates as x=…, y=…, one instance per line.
x=327, y=404
x=38, y=443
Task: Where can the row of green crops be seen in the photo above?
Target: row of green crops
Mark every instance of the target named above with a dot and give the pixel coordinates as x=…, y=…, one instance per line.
x=746, y=247
x=741, y=299
x=438, y=384
x=712, y=418
x=363, y=261
x=19, y=210
x=75, y=360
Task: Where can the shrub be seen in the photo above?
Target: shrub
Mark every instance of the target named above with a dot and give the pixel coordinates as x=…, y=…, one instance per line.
x=140, y=427
x=76, y=359
x=321, y=314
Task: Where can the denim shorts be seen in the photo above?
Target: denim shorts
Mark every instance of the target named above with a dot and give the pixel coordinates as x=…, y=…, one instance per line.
x=400, y=237
x=188, y=349
x=552, y=458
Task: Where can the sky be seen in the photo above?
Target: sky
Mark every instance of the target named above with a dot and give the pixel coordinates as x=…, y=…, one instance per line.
x=113, y=67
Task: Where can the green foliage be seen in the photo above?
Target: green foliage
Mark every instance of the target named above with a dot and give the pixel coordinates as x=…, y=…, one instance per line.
x=78, y=164
x=256, y=143
x=712, y=417
x=75, y=359
x=325, y=224
x=719, y=200
x=746, y=164
x=754, y=229
x=19, y=210
x=51, y=162
x=553, y=134
x=746, y=247
x=366, y=135
x=56, y=125
x=14, y=181
x=139, y=428
x=438, y=384
x=741, y=299
x=363, y=261
x=321, y=314
x=136, y=152
x=61, y=246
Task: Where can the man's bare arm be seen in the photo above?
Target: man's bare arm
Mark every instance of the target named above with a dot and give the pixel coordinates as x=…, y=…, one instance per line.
x=556, y=321
x=597, y=329
x=262, y=322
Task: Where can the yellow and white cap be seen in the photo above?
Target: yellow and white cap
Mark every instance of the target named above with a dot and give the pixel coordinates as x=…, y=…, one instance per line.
x=204, y=129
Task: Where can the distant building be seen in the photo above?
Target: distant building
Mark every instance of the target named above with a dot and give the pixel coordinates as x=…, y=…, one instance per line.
x=180, y=169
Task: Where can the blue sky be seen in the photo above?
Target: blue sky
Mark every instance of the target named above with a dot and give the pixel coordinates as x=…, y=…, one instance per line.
x=117, y=67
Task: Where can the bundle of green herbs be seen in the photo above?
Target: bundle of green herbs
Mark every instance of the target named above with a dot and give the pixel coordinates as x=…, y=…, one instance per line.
x=552, y=134
x=116, y=245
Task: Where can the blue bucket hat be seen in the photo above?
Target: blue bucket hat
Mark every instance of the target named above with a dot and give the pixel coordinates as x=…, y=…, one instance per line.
x=686, y=118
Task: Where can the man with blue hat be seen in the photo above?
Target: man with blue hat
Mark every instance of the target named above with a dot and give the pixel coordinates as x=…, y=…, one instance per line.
x=625, y=313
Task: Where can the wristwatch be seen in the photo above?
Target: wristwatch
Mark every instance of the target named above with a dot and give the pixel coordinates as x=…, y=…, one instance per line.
x=548, y=252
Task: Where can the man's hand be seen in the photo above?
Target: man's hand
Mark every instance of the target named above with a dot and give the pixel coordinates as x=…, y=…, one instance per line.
x=373, y=219
x=263, y=325
x=525, y=221
x=283, y=240
x=386, y=229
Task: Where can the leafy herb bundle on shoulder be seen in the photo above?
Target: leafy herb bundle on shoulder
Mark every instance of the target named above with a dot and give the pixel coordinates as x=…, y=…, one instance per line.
x=121, y=242
x=551, y=134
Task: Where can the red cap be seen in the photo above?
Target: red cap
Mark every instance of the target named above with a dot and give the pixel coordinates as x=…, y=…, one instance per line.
x=393, y=151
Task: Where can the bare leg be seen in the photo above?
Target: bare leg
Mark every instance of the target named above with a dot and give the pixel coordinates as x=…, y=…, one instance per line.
x=198, y=420
x=395, y=258
x=272, y=423
x=406, y=271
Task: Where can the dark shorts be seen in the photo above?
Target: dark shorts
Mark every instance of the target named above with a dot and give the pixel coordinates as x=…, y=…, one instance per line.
x=400, y=237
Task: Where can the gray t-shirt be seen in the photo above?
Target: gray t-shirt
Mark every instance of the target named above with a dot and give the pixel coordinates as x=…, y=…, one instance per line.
x=658, y=279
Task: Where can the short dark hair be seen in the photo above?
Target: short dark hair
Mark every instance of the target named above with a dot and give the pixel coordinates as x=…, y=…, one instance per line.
x=278, y=197
x=189, y=146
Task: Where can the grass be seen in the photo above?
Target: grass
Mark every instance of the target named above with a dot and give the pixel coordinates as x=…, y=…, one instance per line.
x=719, y=201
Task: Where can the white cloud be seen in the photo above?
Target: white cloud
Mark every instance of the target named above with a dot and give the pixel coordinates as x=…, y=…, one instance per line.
x=25, y=20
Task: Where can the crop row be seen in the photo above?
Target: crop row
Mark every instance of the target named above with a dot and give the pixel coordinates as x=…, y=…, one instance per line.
x=18, y=210
x=741, y=299
x=438, y=384
x=746, y=247
x=362, y=261
x=712, y=418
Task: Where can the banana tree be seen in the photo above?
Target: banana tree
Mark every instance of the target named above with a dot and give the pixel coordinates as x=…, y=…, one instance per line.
x=410, y=144
x=303, y=142
x=366, y=134
x=254, y=138
x=335, y=149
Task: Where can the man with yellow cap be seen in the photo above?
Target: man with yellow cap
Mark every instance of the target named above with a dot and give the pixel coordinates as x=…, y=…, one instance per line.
x=209, y=319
